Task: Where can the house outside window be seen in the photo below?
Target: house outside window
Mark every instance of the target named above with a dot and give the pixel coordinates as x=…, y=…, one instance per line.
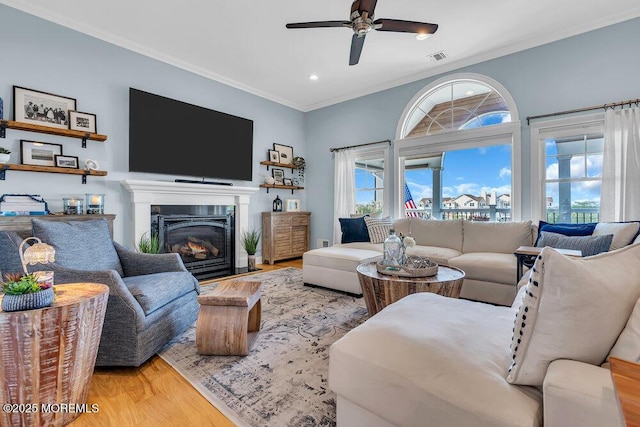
x=458, y=144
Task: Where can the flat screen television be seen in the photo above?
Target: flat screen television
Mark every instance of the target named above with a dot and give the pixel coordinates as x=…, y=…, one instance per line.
x=172, y=137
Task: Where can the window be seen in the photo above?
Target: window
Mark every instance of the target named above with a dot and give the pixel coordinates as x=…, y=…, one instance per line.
x=369, y=179
x=571, y=153
x=459, y=143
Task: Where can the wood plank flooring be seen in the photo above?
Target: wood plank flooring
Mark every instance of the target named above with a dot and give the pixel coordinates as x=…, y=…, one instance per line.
x=153, y=394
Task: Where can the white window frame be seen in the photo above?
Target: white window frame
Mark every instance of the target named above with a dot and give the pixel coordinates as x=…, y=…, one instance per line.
x=504, y=133
x=369, y=153
x=589, y=123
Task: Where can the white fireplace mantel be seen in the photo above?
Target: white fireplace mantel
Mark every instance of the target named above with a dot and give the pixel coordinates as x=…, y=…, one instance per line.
x=146, y=193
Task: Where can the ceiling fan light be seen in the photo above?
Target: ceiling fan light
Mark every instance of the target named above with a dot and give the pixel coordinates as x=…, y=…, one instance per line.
x=313, y=77
x=422, y=36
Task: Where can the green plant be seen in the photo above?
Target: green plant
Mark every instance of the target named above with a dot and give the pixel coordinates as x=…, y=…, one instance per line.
x=249, y=240
x=20, y=284
x=149, y=244
x=4, y=151
x=300, y=164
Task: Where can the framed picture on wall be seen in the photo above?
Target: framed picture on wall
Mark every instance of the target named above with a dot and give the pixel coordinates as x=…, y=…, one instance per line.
x=287, y=181
x=85, y=122
x=278, y=175
x=286, y=153
x=39, y=153
x=274, y=156
x=66, y=161
x=292, y=205
x=41, y=108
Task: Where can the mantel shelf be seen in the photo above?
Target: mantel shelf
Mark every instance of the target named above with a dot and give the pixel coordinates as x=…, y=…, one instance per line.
x=50, y=169
x=286, y=187
x=10, y=124
x=267, y=163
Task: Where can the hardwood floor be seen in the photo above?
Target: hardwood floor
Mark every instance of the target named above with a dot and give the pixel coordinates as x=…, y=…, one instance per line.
x=153, y=394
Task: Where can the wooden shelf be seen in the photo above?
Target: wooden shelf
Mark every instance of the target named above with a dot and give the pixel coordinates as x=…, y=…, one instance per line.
x=267, y=163
x=50, y=169
x=285, y=187
x=10, y=124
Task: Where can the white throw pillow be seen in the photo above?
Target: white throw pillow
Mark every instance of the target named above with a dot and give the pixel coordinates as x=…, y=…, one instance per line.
x=573, y=308
x=627, y=347
x=378, y=228
x=623, y=232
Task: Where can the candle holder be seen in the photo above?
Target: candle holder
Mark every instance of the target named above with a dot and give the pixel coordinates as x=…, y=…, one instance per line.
x=95, y=204
x=73, y=205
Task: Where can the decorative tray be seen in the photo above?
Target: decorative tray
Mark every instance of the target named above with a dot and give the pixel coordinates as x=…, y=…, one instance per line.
x=426, y=268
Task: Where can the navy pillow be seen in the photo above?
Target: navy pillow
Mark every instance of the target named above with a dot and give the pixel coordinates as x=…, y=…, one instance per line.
x=354, y=230
x=566, y=229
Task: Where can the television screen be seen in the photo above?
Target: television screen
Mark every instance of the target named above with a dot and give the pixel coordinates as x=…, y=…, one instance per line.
x=172, y=137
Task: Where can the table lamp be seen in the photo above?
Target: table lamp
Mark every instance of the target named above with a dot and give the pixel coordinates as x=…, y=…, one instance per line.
x=38, y=253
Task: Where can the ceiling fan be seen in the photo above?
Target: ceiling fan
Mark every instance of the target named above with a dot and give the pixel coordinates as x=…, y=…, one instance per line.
x=362, y=22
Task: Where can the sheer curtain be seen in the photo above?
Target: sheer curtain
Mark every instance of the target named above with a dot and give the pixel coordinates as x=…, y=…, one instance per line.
x=619, y=196
x=344, y=185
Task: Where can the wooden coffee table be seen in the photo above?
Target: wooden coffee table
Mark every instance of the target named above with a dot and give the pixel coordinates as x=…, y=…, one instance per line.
x=380, y=290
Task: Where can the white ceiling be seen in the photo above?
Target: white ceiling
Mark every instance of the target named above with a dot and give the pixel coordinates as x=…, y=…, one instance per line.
x=245, y=43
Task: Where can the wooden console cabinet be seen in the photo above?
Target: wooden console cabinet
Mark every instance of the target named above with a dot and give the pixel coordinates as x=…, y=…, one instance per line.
x=284, y=235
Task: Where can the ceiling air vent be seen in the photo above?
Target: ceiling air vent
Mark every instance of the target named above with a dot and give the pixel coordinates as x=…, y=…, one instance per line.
x=438, y=56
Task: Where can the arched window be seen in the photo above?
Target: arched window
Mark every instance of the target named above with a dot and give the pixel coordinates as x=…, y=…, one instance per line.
x=457, y=151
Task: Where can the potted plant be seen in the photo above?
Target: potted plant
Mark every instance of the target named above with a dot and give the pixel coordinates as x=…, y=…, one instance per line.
x=300, y=164
x=4, y=155
x=249, y=241
x=24, y=292
x=149, y=244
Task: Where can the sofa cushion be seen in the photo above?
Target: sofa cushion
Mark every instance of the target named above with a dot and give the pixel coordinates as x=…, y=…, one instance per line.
x=153, y=291
x=627, y=346
x=353, y=230
x=429, y=232
x=434, y=253
x=623, y=232
x=9, y=253
x=589, y=245
x=339, y=257
x=501, y=237
x=429, y=360
x=82, y=245
x=487, y=266
x=566, y=229
x=378, y=228
x=573, y=308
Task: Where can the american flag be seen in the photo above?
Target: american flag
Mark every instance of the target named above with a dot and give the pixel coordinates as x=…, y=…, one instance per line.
x=408, y=202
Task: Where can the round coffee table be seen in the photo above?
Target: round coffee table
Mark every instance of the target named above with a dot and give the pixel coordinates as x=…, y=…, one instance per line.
x=380, y=290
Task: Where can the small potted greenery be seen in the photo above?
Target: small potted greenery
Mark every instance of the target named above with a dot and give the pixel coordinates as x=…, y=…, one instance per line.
x=249, y=241
x=300, y=164
x=4, y=155
x=149, y=244
x=24, y=292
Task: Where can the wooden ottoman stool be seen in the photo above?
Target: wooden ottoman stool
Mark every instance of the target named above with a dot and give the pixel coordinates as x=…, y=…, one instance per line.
x=229, y=319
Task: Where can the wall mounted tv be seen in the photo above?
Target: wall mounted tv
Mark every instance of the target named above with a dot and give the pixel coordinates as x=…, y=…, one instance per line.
x=172, y=137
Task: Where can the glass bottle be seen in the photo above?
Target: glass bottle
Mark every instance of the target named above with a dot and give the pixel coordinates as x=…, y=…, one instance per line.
x=392, y=249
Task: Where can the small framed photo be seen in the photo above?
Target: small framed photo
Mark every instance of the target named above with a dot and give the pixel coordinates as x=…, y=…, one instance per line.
x=66, y=161
x=286, y=153
x=287, y=181
x=292, y=205
x=39, y=153
x=41, y=108
x=85, y=122
x=274, y=156
x=278, y=175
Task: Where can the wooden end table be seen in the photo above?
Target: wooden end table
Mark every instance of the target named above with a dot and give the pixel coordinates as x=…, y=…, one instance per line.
x=380, y=290
x=626, y=382
x=528, y=254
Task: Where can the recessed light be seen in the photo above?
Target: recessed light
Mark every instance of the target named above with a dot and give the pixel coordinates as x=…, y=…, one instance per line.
x=313, y=77
x=422, y=36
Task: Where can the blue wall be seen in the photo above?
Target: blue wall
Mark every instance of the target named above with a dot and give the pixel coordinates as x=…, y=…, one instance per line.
x=602, y=66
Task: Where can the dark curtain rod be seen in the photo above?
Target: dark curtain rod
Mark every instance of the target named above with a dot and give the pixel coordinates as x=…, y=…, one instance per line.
x=359, y=145
x=579, y=110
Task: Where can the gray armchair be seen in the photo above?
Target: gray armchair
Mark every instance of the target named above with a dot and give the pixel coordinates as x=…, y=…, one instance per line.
x=152, y=298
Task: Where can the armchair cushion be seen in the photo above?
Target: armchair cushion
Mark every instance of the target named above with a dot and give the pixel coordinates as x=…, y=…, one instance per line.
x=9, y=255
x=74, y=240
x=152, y=291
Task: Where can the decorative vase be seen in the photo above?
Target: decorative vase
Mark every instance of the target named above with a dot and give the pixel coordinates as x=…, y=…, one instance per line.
x=252, y=262
x=30, y=301
x=4, y=157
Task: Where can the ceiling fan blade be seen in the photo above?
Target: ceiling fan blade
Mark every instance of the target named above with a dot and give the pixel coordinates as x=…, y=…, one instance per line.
x=400, y=26
x=320, y=24
x=368, y=6
x=356, y=48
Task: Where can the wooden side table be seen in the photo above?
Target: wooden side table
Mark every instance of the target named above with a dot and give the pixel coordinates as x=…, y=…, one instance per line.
x=47, y=355
x=626, y=382
x=528, y=254
x=380, y=290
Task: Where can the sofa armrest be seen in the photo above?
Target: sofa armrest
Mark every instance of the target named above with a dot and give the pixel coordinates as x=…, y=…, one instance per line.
x=138, y=263
x=581, y=395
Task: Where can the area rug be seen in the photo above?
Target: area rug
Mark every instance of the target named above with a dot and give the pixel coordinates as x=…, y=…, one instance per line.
x=283, y=380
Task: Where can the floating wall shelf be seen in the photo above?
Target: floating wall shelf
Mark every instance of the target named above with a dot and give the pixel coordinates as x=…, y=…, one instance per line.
x=50, y=169
x=84, y=136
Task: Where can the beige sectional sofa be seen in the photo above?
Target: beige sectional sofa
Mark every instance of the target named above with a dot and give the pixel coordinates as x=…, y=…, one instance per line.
x=483, y=250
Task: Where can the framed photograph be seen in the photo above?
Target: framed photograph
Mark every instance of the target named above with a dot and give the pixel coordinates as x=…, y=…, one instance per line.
x=66, y=161
x=292, y=205
x=286, y=153
x=278, y=175
x=85, y=122
x=287, y=181
x=41, y=108
x=39, y=153
x=274, y=156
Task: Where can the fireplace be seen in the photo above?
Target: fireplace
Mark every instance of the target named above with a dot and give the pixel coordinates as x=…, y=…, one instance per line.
x=204, y=241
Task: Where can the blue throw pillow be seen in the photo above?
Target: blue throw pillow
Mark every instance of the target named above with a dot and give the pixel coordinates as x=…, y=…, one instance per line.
x=354, y=230
x=566, y=229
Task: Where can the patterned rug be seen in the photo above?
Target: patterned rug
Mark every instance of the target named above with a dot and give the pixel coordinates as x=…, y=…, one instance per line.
x=283, y=380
